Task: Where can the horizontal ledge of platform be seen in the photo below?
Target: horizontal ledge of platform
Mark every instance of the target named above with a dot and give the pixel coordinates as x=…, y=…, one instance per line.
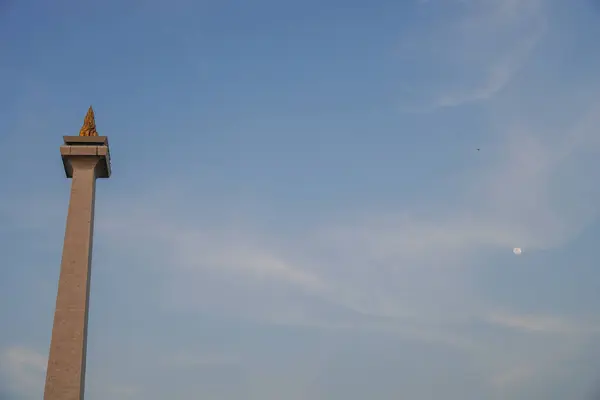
x=102, y=151
x=86, y=140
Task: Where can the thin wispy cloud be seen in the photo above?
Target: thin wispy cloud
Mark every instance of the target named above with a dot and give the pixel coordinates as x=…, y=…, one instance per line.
x=541, y=324
x=476, y=53
x=23, y=370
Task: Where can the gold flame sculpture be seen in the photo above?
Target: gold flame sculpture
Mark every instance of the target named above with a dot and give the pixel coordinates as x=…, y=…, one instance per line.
x=89, y=124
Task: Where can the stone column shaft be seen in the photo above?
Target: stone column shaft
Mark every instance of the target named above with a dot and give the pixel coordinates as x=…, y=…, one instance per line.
x=65, y=379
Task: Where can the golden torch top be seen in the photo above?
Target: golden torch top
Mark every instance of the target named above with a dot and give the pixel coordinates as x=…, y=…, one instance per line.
x=89, y=124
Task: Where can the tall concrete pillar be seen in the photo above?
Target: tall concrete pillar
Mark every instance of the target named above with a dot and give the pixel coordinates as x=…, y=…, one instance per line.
x=85, y=158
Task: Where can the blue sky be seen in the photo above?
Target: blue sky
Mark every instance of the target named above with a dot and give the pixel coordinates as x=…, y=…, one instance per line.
x=298, y=209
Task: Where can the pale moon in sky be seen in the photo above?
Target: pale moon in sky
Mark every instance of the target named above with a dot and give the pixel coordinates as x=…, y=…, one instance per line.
x=517, y=250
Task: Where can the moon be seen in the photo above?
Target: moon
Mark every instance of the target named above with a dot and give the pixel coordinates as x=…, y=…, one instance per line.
x=517, y=250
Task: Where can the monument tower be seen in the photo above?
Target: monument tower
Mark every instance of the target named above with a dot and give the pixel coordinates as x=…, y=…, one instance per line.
x=85, y=158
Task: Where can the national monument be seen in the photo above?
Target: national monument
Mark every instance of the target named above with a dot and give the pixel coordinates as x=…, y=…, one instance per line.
x=85, y=158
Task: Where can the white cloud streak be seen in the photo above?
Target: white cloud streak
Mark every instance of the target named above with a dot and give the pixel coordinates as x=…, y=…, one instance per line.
x=480, y=50
x=24, y=371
